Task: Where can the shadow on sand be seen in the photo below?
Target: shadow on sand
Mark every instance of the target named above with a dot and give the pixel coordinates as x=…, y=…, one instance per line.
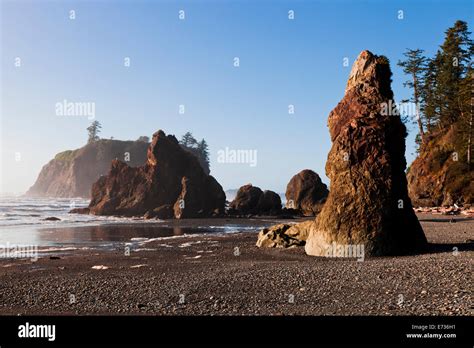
x=452, y=218
x=449, y=247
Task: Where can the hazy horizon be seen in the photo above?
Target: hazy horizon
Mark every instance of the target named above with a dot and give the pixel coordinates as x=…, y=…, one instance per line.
x=190, y=62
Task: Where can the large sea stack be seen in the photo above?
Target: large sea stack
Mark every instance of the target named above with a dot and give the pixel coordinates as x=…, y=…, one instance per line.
x=71, y=173
x=368, y=201
x=171, y=184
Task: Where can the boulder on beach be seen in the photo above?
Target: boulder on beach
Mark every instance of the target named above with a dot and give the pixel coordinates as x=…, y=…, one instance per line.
x=368, y=202
x=171, y=183
x=306, y=193
x=284, y=235
x=252, y=200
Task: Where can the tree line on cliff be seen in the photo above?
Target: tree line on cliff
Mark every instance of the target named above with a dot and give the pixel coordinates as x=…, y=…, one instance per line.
x=198, y=148
x=441, y=86
x=442, y=90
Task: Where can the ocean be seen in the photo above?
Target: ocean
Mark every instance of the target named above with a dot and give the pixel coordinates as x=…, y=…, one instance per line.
x=22, y=223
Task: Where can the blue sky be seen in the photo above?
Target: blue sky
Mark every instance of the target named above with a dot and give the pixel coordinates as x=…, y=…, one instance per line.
x=190, y=62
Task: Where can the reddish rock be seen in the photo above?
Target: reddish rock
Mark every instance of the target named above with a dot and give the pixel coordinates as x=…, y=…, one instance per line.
x=269, y=203
x=247, y=199
x=368, y=203
x=170, y=177
x=163, y=213
x=435, y=178
x=306, y=193
x=252, y=200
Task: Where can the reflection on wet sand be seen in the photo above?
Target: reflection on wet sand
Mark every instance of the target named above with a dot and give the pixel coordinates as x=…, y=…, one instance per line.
x=106, y=234
x=109, y=233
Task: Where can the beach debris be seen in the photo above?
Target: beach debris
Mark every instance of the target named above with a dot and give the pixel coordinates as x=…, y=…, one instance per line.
x=138, y=266
x=368, y=204
x=188, y=244
x=306, y=193
x=165, y=245
x=100, y=267
x=284, y=235
x=193, y=257
x=448, y=210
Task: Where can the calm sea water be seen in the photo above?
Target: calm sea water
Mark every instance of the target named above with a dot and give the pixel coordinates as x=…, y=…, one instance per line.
x=22, y=222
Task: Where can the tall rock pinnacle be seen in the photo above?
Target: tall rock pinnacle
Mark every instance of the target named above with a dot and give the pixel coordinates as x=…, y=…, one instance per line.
x=368, y=201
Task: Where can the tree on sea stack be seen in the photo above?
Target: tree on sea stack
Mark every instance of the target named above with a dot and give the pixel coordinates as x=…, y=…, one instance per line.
x=188, y=140
x=368, y=203
x=93, y=130
x=203, y=150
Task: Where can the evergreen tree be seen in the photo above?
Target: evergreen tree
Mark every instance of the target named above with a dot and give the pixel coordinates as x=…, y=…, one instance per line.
x=144, y=139
x=414, y=66
x=456, y=53
x=203, y=149
x=430, y=103
x=466, y=122
x=199, y=149
x=93, y=131
x=187, y=140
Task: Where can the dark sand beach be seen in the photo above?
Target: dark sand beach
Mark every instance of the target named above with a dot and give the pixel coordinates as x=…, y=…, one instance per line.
x=225, y=274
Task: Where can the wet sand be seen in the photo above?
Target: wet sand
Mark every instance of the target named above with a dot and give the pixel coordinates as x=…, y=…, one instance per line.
x=227, y=275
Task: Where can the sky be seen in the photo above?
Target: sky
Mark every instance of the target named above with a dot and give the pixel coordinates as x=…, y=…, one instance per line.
x=48, y=57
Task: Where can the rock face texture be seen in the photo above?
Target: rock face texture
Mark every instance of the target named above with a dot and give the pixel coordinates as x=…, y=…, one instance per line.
x=368, y=201
x=72, y=173
x=437, y=177
x=252, y=200
x=269, y=202
x=246, y=200
x=170, y=184
x=284, y=235
x=306, y=193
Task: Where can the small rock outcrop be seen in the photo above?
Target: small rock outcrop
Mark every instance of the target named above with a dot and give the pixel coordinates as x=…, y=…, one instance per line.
x=368, y=202
x=171, y=183
x=306, y=193
x=252, y=200
x=284, y=235
x=51, y=218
